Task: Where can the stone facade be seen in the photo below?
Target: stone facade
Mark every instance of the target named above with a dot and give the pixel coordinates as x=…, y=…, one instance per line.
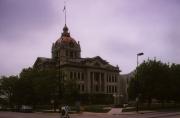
x=94, y=75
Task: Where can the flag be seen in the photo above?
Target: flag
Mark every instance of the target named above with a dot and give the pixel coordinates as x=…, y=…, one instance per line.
x=139, y=54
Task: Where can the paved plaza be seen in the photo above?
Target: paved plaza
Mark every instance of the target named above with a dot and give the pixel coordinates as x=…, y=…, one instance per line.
x=92, y=115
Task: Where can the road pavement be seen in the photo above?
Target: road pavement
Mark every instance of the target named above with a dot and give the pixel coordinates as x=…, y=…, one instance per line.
x=92, y=115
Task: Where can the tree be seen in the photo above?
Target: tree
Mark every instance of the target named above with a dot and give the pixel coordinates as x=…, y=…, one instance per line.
x=7, y=88
x=45, y=86
x=70, y=91
x=152, y=82
x=42, y=84
x=174, y=82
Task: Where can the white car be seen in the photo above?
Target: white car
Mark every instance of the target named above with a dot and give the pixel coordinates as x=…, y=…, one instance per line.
x=26, y=108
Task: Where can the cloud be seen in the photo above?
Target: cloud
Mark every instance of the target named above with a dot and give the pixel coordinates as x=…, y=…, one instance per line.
x=116, y=30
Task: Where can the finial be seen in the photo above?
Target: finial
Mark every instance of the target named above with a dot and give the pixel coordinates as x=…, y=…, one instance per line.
x=65, y=31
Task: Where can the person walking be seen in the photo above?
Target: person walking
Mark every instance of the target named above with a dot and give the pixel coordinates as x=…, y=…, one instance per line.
x=65, y=112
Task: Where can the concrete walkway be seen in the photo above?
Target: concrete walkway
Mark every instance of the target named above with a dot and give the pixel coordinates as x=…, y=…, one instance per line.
x=115, y=111
x=118, y=111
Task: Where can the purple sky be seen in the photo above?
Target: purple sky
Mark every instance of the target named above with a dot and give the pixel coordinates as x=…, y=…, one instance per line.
x=116, y=30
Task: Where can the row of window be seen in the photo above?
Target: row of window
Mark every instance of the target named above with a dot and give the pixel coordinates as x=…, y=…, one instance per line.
x=111, y=78
x=97, y=76
x=77, y=75
x=97, y=88
x=111, y=89
x=71, y=54
x=80, y=76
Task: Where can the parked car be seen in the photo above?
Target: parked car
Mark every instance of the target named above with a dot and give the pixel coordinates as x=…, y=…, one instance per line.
x=26, y=109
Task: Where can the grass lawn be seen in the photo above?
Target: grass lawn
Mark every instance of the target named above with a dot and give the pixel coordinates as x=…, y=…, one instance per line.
x=154, y=107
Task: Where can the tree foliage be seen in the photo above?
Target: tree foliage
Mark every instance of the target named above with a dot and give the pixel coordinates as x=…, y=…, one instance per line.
x=7, y=88
x=70, y=90
x=156, y=80
x=37, y=87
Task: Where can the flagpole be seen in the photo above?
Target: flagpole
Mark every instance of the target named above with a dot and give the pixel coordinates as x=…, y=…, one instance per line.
x=65, y=14
x=65, y=11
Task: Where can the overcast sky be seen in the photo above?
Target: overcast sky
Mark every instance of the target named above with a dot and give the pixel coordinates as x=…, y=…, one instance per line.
x=116, y=30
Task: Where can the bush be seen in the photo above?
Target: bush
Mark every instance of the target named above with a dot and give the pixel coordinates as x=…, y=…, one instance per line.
x=96, y=108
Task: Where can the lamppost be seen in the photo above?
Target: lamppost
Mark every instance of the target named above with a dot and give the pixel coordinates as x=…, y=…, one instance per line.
x=138, y=94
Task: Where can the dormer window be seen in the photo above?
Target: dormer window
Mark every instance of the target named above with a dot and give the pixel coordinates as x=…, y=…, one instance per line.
x=71, y=44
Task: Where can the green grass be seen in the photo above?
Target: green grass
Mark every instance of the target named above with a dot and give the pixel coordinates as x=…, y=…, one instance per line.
x=154, y=107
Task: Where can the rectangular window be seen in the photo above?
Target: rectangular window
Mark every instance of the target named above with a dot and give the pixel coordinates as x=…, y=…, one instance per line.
x=96, y=76
x=107, y=89
x=115, y=89
x=79, y=87
x=82, y=76
x=82, y=87
x=75, y=75
x=115, y=78
x=71, y=75
x=112, y=78
x=66, y=53
x=71, y=54
x=102, y=75
x=97, y=88
x=109, y=78
x=75, y=54
x=78, y=76
x=91, y=78
x=91, y=75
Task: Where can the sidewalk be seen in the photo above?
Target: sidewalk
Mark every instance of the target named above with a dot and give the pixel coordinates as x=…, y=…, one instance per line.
x=114, y=111
x=118, y=111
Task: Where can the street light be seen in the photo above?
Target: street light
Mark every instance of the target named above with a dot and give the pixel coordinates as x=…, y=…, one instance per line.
x=137, y=98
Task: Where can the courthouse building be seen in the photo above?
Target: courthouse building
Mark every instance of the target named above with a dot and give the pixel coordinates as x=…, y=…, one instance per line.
x=93, y=75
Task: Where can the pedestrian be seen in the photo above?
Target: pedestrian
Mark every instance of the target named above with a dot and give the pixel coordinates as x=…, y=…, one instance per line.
x=64, y=112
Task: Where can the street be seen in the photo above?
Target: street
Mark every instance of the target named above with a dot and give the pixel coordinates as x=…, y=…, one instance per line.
x=91, y=115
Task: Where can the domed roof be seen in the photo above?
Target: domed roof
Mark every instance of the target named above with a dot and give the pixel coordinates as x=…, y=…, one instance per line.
x=66, y=38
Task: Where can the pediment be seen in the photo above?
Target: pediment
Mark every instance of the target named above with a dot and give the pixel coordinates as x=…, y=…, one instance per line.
x=41, y=60
x=96, y=61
